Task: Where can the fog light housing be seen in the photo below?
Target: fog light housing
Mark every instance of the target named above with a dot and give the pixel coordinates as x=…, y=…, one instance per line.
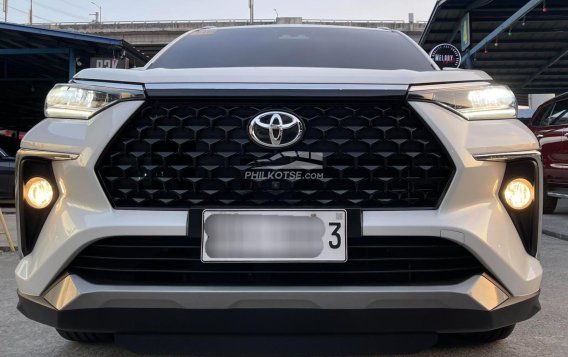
x=519, y=193
x=38, y=192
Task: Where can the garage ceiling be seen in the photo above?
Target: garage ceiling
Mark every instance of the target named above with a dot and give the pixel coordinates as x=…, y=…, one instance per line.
x=530, y=55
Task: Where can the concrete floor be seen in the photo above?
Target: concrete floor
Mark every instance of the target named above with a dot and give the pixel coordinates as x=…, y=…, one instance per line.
x=9, y=215
x=556, y=224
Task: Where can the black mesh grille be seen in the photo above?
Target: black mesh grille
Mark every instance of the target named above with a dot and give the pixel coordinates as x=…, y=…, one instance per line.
x=371, y=261
x=179, y=154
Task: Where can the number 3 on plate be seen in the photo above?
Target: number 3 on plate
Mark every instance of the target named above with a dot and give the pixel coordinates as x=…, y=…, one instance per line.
x=336, y=234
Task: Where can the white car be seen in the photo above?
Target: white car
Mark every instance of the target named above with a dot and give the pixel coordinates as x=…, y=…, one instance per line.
x=280, y=180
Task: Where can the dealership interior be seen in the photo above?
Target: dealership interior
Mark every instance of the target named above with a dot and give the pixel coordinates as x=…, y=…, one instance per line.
x=523, y=44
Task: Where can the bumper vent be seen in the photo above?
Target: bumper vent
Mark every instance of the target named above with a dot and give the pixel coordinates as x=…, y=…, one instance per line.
x=190, y=153
x=371, y=261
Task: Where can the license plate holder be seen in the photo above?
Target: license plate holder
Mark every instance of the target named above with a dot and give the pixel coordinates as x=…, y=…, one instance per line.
x=285, y=236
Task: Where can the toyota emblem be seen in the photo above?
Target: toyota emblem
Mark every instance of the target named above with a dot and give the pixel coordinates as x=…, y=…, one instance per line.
x=276, y=129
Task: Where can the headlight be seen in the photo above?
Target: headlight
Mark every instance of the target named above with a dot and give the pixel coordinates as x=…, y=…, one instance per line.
x=519, y=193
x=80, y=101
x=473, y=101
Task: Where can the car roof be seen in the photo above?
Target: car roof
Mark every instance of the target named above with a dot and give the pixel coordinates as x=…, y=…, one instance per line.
x=555, y=99
x=297, y=26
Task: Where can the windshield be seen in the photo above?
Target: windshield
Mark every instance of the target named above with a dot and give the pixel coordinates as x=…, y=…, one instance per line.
x=300, y=46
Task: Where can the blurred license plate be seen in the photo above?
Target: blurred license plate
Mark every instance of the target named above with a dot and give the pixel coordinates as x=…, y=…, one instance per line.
x=274, y=236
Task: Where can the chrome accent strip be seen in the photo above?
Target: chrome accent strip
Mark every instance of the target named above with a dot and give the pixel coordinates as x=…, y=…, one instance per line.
x=62, y=293
x=497, y=284
x=517, y=299
x=43, y=154
x=507, y=156
x=557, y=195
x=274, y=89
x=450, y=85
x=73, y=292
x=268, y=86
x=116, y=85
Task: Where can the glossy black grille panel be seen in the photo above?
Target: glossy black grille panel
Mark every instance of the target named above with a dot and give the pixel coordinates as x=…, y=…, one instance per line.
x=371, y=261
x=181, y=154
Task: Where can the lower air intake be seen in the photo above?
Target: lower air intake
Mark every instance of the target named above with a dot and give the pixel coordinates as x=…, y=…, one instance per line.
x=372, y=261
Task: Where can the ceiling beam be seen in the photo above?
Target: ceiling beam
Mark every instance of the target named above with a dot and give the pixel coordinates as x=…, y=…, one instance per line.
x=530, y=20
x=32, y=51
x=549, y=64
x=30, y=79
x=518, y=31
x=531, y=4
x=61, y=34
x=510, y=57
x=475, y=5
x=512, y=9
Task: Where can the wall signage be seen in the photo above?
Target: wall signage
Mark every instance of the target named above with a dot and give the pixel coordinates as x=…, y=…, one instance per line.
x=446, y=55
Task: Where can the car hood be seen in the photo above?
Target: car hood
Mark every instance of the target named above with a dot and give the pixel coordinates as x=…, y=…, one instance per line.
x=290, y=75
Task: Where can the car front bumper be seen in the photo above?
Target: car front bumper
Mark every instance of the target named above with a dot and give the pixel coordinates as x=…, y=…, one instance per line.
x=261, y=311
x=470, y=215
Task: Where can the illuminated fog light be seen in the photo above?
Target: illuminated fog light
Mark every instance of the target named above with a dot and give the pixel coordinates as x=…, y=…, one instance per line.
x=38, y=192
x=519, y=194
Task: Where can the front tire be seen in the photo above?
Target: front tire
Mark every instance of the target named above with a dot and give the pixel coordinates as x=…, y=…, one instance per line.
x=85, y=337
x=489, y=336
x=549, y=204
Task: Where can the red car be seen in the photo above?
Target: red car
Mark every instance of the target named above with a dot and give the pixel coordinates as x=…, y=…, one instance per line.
x=550, y=125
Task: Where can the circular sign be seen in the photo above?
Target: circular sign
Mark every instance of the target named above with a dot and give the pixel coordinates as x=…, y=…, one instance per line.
x=446, y=55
